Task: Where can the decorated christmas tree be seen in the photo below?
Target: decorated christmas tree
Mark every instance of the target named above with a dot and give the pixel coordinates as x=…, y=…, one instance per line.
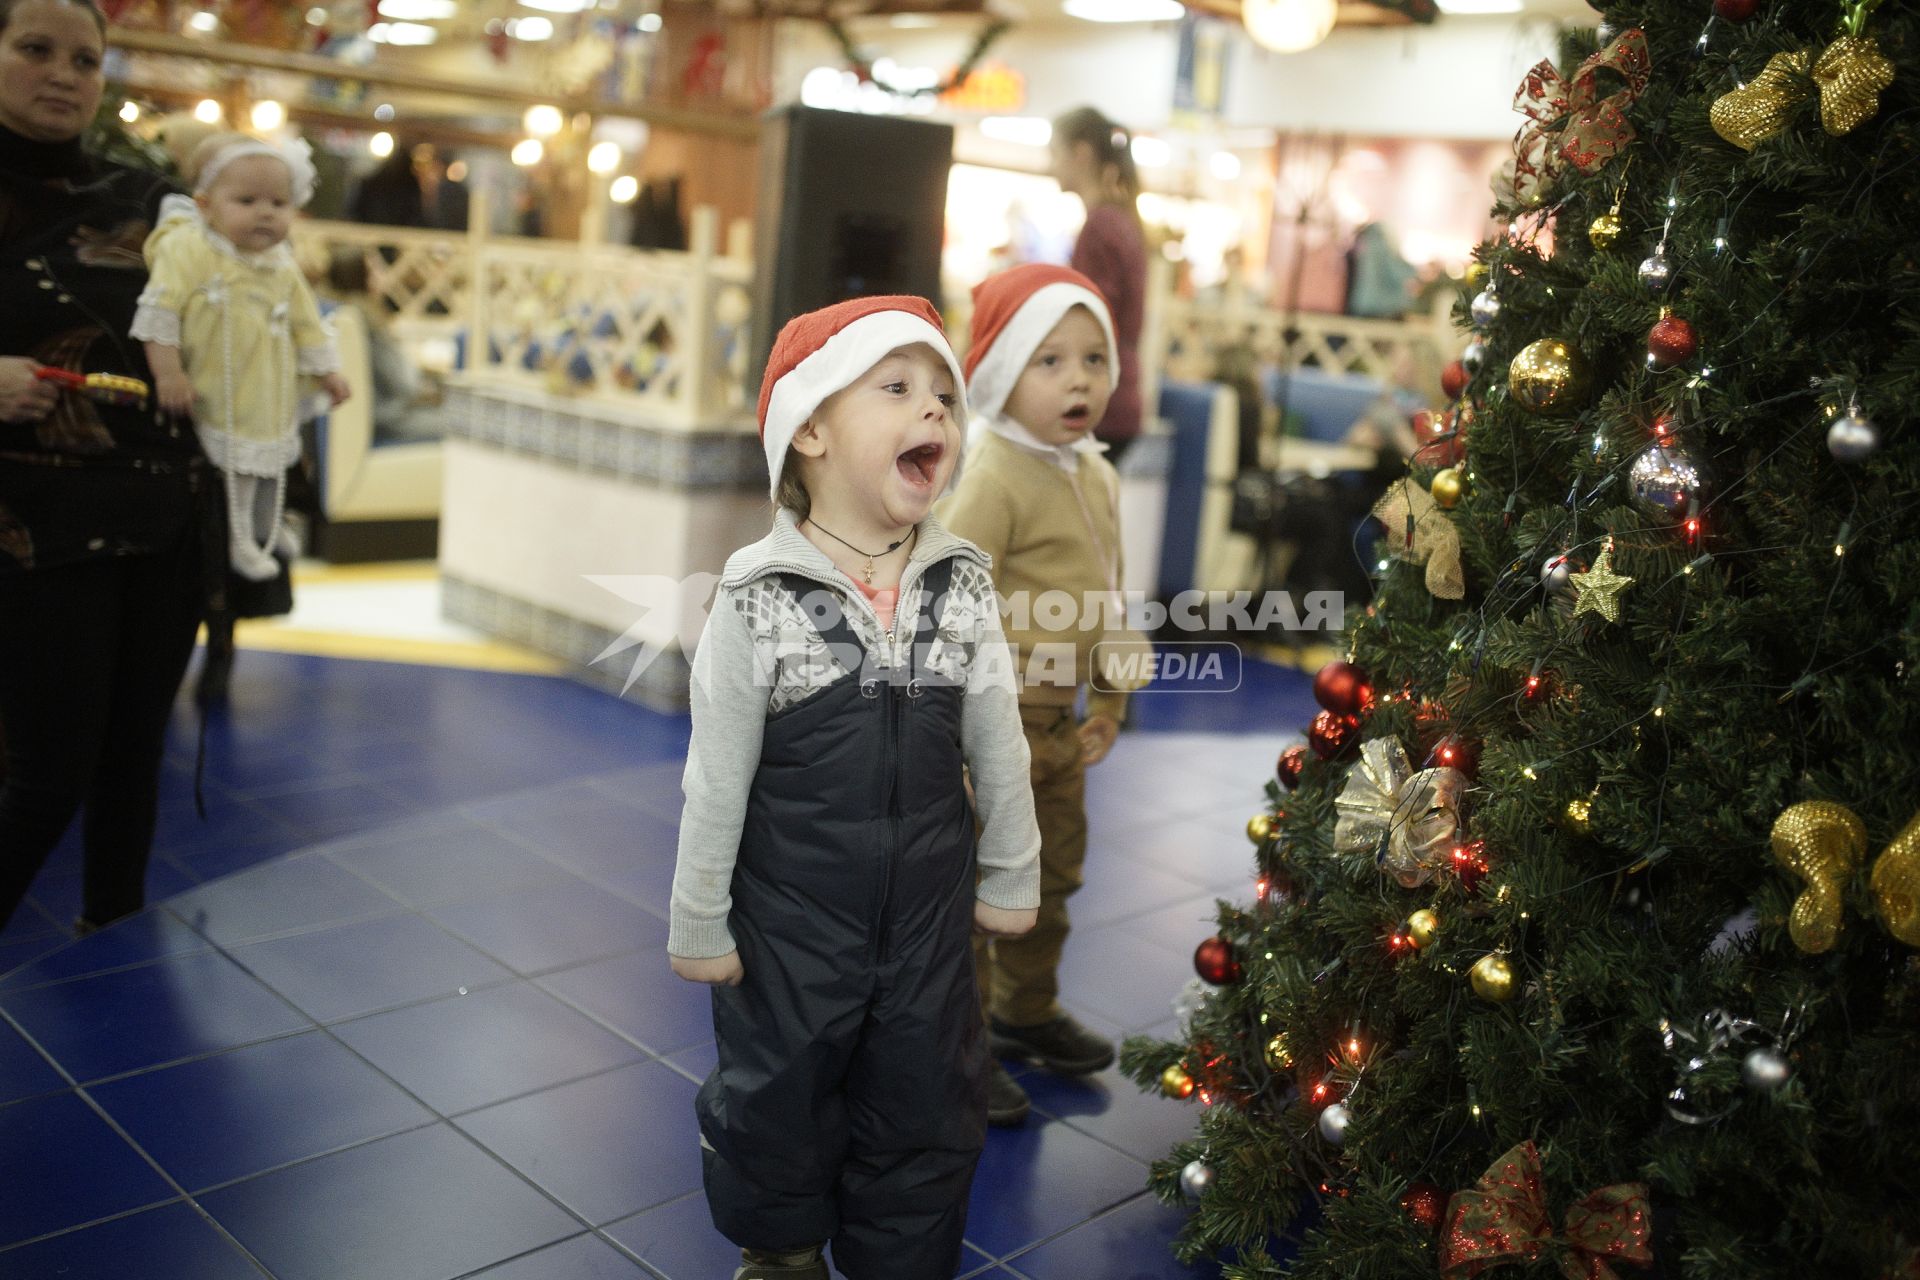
x=1583, y=940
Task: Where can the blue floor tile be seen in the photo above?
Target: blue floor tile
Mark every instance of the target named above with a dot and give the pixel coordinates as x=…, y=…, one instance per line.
x=678, y=1240
x=336, y=809
x=229, y=821
x=421, y=1204
x=696, y=1063
x=581, y=1258
x=605, y=1147
x=59, y=893
x=604, y=838
x=1042, y=1178
x=1116, y=888
x=171, y=1243
x=147, y=936
x=239, y=1113
x=1182, y=925
x=80, y=1170
x=640, y=996
x=1127, y=981
x=23, y=1071
x=461, y=860
x=564, y=923
x=1131, y=1243
x=1112, y=1108
x=468, y=1051
x=215, y=861
x=176, y=1007
x=19, y=950
x=280, y=897
x=352, y=969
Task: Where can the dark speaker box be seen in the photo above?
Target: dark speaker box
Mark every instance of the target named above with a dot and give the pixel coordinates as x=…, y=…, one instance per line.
x=849, y=205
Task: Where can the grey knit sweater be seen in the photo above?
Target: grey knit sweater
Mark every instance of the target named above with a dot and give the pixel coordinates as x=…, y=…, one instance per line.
x=760, y=654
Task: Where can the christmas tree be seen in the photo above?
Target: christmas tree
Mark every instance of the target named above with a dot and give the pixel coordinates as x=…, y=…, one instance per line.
x=1583, y=942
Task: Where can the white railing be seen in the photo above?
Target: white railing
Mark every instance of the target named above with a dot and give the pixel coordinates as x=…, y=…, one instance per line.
x=1191, y=336
x=662, y=333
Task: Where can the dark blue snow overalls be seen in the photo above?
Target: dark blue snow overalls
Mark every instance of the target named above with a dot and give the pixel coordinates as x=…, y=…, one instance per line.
x=849, y=1103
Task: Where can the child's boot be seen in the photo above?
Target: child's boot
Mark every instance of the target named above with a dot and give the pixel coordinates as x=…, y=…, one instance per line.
x=1007, y=1102
x=799, y=1264
x=1062, y=1046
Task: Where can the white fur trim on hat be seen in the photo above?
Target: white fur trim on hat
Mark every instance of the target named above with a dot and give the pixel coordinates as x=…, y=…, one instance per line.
x=1000, y=368
x=838, y=363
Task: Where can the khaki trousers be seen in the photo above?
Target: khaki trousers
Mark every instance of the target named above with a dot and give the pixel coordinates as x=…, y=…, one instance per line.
x=1020, y=977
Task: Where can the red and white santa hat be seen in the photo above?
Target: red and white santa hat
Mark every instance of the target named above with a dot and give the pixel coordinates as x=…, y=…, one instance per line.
x=1013, y=312
x=824, y=351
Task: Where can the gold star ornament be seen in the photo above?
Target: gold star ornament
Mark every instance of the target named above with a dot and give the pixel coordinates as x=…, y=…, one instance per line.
x=1600, y=587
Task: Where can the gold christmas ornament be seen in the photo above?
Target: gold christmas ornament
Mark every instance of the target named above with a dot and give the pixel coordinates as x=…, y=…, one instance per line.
x=1851, y=72
x=1492, y=978
x=1896, y=884
x=1821, y=842
x=1547, y=376
x=1423, y=927
x=1175, y=1082
x=1447, y=487
x=1279, y=1057
x=1580, y=815
x=1604, y=230
x=1407, y=820
x=1600, y=587
x=1417, y=530
x=1476, y=275
x=1750, y=115
x=1260, y=828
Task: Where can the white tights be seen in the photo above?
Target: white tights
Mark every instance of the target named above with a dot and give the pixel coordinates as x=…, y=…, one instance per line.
x=254, y=507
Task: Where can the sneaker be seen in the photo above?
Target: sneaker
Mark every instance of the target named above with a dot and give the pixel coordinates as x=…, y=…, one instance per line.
x=1062, y=1046
x=1007, y=1102
x=800, y=1264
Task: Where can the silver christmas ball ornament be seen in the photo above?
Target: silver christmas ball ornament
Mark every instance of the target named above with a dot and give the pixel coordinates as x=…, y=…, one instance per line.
x=1554, y=574
x=1666, y=481
x=1196, y=1178
x=1333, y=1123
x=1485, y=308
x=1474, y=356
x=1853, y=437
x=1656, y=273
x=1764, y=1070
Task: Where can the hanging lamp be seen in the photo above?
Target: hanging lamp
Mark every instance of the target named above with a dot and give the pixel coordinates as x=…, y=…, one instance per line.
x=1288, y=26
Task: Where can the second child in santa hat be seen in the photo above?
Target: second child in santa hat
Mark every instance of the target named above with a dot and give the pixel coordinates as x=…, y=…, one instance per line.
x=1038, y=496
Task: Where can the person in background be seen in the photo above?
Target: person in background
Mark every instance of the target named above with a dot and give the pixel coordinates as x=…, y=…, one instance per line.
x=407, y=404
x=1037, y=496
x=829, y=877
x=1379, y=281
x=410, y=188
x=1093, y=159
x=109, y=515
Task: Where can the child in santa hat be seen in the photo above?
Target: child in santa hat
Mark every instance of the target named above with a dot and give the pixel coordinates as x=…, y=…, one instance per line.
x=828, y=883
x=1038, y=496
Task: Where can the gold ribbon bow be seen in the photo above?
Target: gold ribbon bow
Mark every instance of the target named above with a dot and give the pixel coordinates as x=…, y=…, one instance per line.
x=1823, y=843
x=1595, y=124
x=1407, y=819
x=1420, y=532
x=1503, y=1219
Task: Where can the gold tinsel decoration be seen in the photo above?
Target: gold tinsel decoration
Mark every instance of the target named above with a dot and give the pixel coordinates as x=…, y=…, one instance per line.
x=1851, y=73
x=1821, y=842
x=1750, y=115
x=1896, y=884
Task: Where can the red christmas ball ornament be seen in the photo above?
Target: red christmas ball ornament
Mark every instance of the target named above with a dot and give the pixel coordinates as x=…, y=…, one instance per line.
x=1736, y=10
x=1454, y=379
x=1343, y=688
x=1332, y=733
x=1438, y=439
x=1426, y=1204
x=1292, y=761
x=1671, y=341
x=1214, y=961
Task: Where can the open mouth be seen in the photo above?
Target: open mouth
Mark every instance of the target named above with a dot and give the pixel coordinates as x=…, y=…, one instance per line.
x=1076, y=416
x=917, y=466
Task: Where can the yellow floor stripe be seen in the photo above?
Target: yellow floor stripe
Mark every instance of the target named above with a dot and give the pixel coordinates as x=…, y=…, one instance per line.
x=1310, y=657
x=485, y=656
x=315, y=573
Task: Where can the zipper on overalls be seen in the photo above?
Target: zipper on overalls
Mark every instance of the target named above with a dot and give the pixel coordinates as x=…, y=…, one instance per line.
x=895, y=713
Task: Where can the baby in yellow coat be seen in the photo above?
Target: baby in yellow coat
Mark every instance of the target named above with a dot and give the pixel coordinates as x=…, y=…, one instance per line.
x=230, y=327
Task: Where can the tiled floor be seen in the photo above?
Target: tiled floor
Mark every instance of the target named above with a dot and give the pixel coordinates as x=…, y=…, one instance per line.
x=404, y=1012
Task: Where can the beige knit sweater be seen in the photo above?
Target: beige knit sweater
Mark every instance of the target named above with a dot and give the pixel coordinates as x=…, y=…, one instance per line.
x=1052, y=531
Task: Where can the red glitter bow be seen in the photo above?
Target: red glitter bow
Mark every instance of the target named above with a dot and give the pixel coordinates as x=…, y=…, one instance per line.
x=1595, y=126
x=1503, y=1219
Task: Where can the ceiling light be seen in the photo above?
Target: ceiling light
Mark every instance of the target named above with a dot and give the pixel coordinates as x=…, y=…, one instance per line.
x=1480, y=6
x=624, y=189
x=267, y=115
x=1027, y=131
x=401, y=33
x=381, y=145
x=1288, y=26
x=557, y=6
x=530, y=28
x=129, y=111
x=1151, y=153
x=204, y=22
x=544, y=120
x=1124, y=10
x=207, y=111
x=649, y=22
x=527, y=152
x=418, y=10
x=1225, y=165
x=317, y=17
x=603, y=157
